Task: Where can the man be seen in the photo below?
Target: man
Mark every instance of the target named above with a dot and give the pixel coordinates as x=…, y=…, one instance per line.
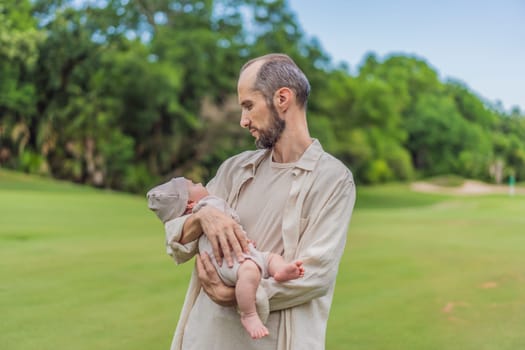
x=293, y=199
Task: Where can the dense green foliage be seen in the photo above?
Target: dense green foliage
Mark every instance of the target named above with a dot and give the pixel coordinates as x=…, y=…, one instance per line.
x=122, y=94
x=420, y=271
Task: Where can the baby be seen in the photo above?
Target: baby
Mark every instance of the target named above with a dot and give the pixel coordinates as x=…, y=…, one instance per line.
x=181, y=196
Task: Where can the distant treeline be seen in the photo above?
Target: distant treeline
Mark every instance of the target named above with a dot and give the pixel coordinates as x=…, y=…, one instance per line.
x=123, y=94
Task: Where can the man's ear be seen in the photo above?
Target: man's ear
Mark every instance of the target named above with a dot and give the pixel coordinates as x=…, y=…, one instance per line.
x=283, y=98
x=190, y=205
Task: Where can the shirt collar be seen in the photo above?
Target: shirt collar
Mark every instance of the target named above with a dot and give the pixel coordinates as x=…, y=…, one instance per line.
x=310, y=156
x=307, y=161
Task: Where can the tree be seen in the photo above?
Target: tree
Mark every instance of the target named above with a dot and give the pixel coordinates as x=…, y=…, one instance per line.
x=123, y=94
x=19, y=39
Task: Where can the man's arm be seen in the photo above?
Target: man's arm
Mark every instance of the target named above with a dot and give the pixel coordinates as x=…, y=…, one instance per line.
x=191, y=230
x=320, y=249
x=225, y=234
x=212, y=283
x=180, y=252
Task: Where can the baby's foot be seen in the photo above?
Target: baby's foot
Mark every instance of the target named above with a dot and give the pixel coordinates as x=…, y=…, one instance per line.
x=290, y=272
x=253, y=325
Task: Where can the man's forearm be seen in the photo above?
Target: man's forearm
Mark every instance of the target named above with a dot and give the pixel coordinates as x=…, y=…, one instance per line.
x=191, y=230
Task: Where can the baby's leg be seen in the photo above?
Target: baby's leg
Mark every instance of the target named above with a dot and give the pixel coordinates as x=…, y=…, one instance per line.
x=248, y=278
x=282, y=271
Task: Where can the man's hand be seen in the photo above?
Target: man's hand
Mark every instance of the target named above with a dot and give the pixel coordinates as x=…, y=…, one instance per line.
x=225, y=235
x=212, y=283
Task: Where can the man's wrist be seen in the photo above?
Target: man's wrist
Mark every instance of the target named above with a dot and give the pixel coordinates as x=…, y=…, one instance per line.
x=223, y=295
x=226, y=296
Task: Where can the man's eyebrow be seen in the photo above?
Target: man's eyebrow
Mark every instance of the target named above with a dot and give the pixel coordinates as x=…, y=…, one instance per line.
x=246, y=103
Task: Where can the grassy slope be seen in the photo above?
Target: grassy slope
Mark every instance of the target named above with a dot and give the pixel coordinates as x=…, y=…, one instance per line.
x=86, y=269
x=432, y=273
x=83, y=269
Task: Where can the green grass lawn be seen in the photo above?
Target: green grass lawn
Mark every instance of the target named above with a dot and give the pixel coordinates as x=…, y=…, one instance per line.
x=86, y=269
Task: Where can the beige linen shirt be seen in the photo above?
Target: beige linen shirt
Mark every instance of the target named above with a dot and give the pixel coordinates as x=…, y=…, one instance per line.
x=314, y=228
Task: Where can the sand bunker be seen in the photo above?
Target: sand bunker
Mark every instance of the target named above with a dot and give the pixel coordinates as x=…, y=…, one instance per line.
x=469, y=187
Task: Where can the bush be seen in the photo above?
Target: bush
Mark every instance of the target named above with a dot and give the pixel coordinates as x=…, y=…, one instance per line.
x=31, y=162
x=377, y=172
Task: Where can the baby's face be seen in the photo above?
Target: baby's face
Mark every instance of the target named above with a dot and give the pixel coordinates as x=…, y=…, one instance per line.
x=196, y=192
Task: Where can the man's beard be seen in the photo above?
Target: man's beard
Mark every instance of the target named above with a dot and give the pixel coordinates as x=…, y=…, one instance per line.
x=269, y=137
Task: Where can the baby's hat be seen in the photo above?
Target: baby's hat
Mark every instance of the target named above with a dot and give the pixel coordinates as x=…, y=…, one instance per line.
x=170, y=199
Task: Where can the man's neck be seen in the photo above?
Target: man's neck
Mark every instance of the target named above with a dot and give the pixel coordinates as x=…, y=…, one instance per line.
x=290, y=149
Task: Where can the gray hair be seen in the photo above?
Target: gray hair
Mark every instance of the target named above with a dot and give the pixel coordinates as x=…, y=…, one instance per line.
x=277, y=71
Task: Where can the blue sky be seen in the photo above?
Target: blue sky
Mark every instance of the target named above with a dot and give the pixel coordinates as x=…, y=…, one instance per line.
x=481, y=43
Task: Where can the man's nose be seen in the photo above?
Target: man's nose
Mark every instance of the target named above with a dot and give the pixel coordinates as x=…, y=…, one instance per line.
x=245, y=122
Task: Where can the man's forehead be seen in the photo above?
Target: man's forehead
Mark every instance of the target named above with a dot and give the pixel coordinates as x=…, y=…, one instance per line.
x=249, y=95
x=245, y=90
x=245, y=81
x=249, y=74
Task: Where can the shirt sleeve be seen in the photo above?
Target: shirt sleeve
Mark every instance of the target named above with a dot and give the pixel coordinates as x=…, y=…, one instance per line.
x=179, y=252
x=320, y=249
